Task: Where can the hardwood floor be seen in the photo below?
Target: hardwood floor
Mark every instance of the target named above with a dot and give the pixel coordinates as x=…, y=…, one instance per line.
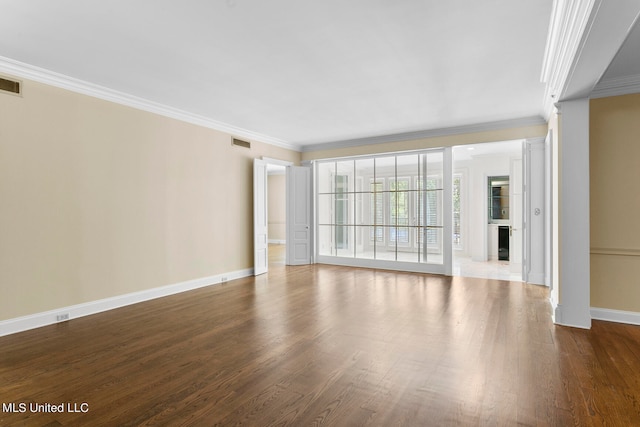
x=327, y=345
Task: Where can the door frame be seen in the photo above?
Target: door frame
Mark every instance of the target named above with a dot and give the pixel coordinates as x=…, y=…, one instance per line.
x=260, y=218
x=267, y=161
x=518, y=223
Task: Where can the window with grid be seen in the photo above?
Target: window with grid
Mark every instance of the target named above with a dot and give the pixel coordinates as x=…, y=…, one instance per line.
x=387, y=207
x=428, y=209
x=399, y=210
x=377, y=210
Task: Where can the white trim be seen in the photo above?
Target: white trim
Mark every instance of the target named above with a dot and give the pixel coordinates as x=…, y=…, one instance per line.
x=277, y=242
x=630, y=317
x=619, y=86
x=407, y=136
x=279, y=165
x=381, y=264
x=568, y=23
x=52, y=78
x=24, y=323
x=559, y=316
x=548, y=210
x=536, y=279
x=556, y=311
x=277, y=162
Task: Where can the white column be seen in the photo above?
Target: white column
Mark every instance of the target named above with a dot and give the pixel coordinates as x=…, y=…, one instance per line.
x=574, y=249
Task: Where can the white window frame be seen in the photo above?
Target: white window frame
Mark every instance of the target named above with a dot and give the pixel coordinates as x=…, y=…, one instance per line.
x=433, y=265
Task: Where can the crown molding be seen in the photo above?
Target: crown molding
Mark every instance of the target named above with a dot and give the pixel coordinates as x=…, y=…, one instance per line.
x=618, y=86
x=431, y=133
x=569, y=21
x=41, y=75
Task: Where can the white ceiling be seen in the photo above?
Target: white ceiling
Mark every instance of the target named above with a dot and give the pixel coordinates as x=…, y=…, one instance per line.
x=502, y=148
x=299, y=71
x=627, y=62
x=303, y=73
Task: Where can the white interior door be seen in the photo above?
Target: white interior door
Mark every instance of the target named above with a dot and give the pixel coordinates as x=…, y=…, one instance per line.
x=534, y=246
x=516, y=200
x=260, y=218
x=299, y=187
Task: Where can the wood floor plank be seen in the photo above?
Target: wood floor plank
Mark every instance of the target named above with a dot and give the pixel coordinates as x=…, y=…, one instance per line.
x=328, y=345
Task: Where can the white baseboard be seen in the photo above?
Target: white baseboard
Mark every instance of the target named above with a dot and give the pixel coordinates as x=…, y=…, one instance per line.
x=630, y=317
x=556, y=310
x=563, y=317
x=277, y=242
x=537, y=279
x=24, y=323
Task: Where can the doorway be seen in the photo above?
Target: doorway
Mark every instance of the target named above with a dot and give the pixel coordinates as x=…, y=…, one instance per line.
x=487, y=200
x=276, y=214
x=297, y=216
x=268, y=229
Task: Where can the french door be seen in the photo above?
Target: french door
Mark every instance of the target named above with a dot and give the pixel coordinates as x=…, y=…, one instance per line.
x=299, y=216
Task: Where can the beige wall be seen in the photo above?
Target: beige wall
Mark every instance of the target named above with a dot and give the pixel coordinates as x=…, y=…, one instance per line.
x=433, y=142
x=276, y=205
x=615, y=204
x=100, y=200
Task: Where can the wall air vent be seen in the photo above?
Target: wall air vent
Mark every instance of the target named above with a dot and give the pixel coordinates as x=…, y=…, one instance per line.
x=240, y=143
x=10, y=86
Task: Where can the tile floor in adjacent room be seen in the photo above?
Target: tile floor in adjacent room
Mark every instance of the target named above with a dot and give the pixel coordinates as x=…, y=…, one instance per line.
x=494, y=269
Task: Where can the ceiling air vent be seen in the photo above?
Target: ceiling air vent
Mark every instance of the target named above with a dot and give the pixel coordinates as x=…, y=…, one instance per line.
x=10, y=86
x=241, y=143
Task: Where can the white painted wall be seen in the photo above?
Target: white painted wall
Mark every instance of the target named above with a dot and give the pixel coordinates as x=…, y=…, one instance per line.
x=479, y=168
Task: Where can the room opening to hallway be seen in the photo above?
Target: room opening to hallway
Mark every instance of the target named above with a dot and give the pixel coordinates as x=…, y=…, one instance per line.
x=276, y=214
x=487, y=210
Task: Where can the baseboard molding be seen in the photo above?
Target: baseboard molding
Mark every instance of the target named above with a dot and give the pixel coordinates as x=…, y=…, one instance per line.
x=619, y=316
x=277, y=242
x=556, y=310
x=37, y=320
x=565, y=317
x=537, y=279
